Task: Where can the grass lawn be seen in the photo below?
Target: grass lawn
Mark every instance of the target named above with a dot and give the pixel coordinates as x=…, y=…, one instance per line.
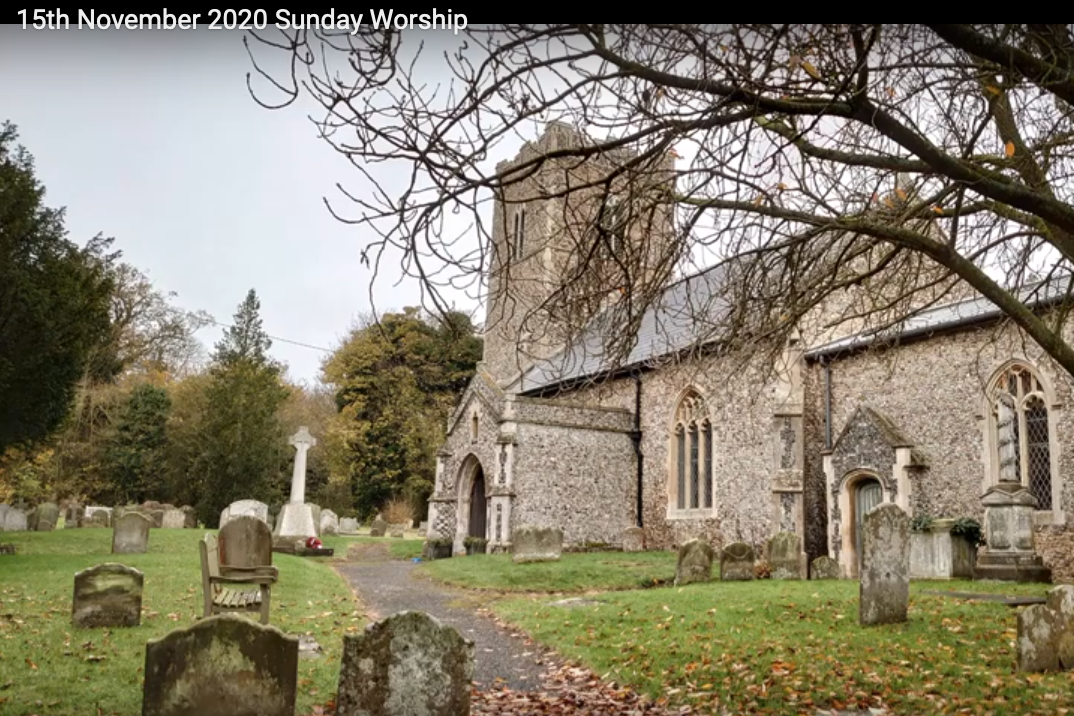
x=575, y=572
x=783, y=647
x=405, y=548
x=49, y=667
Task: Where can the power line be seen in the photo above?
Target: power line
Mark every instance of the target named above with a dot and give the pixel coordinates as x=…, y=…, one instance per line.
x=274, y=338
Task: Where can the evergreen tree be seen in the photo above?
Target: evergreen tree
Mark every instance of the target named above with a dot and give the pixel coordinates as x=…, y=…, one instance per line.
x=136, y=459
x=242, y=438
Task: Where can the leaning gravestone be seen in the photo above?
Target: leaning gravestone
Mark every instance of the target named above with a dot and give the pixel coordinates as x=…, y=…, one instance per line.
x=131, y=534
x=634, y=539
x=15, y=520
x=379, y=528
x=824, y=567
x=785, y=556
x=329, y=523
x=222, y=666
x=173, y=519
x=736, y=562
x=407, y=665
x=695, y=563
x=348, y=526
x=885, y=566
x=536, y=544
x=108, y=595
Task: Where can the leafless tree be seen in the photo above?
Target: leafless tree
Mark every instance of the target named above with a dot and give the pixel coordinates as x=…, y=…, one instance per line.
x=876, y=168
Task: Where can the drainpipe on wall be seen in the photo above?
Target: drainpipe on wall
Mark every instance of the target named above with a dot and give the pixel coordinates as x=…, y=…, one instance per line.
x=636, y=437
x=827, y=403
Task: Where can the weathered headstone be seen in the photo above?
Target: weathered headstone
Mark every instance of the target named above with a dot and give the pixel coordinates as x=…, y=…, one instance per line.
x=379, y=528
x=634, y=539
x=884, y=593
x=695, y=563
x=156, y=517
x=240, y=508
x=15, y=520
x=407, y=665
x=423, y=527
x=222, y=666
x=190, y=518
x=131, y=534
x=824, y=567
x=536, y=544
x=108, y=595
x=785, y=556
x=397, y=530
x=174, y=519
x=348, y=526
x=45, y=517
x=736, y=562
x=101, y=516
x=1046, y=633
x=329, y=523
x=73, y=516
x=245, y=542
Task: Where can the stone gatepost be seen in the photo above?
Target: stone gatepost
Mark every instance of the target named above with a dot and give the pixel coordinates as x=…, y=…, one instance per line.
x=1008, y=526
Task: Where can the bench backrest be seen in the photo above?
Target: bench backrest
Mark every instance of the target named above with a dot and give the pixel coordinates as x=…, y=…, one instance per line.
x=210, y=557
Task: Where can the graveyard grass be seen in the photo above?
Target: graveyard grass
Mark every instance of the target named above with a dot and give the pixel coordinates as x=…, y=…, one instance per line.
x=575, y=572
x=786, y=647
x=49, y=667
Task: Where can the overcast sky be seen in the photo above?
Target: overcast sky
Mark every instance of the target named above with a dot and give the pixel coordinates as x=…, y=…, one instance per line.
x=151, y=137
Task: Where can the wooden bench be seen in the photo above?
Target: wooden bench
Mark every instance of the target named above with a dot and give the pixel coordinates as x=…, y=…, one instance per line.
x=254, y=590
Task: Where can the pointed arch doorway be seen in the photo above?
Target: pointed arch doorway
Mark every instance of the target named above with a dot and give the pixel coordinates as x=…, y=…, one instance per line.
x=472, y=515
x=478, y=505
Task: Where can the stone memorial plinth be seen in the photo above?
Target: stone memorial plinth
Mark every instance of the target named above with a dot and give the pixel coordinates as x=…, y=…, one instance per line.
x=695, y=563
x=884, y=592
x=131, y=534
x=736, y=562
x=633, y=539
x=222, y=666
x=1008, y=526
x=536, y=544
x=108, y=595
x=785, y=556
x=937, y=554
x=407, y=665
x=824, y=567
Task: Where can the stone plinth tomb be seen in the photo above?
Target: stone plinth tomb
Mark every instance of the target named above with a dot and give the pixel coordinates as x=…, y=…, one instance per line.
x=108, y=595
x=938, y=554
x=407, y=665
x=222, y=666
x=884, y=592
x=1008, y=526
x=695, y=563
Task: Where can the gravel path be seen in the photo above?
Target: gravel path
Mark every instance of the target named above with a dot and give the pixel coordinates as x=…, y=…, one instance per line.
x=386, y=586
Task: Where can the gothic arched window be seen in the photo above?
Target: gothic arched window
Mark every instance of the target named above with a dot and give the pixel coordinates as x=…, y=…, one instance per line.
x=518, y=234
x=1021, y=432
x=690, y=483
x=613, y=221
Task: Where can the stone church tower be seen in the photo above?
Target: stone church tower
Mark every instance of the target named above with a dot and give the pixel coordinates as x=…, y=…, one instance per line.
x=568, y=243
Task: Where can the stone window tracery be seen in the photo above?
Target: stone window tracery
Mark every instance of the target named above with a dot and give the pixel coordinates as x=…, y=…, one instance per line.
x=691, y=479
x=1020, y=425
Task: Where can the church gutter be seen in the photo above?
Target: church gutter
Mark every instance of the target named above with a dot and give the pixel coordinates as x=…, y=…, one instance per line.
x=636, y=437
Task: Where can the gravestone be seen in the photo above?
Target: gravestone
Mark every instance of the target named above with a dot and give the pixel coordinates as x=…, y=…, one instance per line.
x=884, y=592
x=240, y=508
x=225, y=665
x=397, y=530
x=73, y=516
x=102, y=516
x=316, y=510
x=174, y=519
x=1046, y=633
x=423, y=527
x=131, y=534
x=329, y=523
x=824, y=567
x=378, y=528
x=785, y=556
x=536, y=544
x=15, y=520
x=45, y=517
x=348, y=526
x=296, y=518
x=156, y=517
x=736, y=562
x=634, y=539
x=190, y=518
x=245, y=542
x=406, y=665
x=108, y=595
x=695, y=563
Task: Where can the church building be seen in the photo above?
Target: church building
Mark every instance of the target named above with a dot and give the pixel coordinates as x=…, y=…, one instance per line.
x=687, y=443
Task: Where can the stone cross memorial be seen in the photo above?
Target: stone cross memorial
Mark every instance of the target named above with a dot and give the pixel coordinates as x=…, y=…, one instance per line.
x=296, y=520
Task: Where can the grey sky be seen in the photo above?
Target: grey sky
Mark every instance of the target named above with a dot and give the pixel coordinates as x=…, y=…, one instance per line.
x=151, y=137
